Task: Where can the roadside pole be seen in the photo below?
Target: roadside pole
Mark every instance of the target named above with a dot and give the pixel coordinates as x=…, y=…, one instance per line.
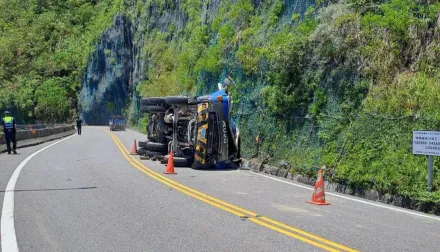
x=430, y=161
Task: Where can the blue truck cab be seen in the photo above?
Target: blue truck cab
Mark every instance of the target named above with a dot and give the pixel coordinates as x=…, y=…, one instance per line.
x=117, y=122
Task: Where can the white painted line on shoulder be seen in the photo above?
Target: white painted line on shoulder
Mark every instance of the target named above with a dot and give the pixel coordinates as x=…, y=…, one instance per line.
x=8, y=236
x=397, y=209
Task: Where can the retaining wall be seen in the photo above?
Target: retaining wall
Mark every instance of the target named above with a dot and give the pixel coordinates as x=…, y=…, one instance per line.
x=27, y=138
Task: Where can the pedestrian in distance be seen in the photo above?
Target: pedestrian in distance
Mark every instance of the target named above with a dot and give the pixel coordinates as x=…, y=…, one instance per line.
x=78, y=125
x=10, y=128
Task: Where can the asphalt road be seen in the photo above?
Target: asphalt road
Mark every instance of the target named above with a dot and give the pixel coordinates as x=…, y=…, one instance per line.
x=87, y=194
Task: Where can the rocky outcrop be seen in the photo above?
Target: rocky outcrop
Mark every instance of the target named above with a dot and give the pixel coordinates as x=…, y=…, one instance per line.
x=107, y=83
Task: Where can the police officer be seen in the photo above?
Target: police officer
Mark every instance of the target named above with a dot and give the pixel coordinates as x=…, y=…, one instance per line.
x=9, y=128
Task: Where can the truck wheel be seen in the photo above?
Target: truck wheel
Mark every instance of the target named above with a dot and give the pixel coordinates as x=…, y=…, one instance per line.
x=181, y=162
x=153, y=109
x=153, y=101
x=178, y=161
x=159, y=147
x=177, y=100
x=157, y=109
x=153, y=153
x=143, y=144
x=141, y=151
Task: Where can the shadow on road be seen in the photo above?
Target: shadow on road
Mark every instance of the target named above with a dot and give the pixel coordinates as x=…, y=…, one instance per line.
x=53, y=189
x=219, y=170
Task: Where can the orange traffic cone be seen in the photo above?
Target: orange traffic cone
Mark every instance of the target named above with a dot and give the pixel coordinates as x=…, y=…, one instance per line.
x=170, y=166
x=318, y=197
x=133, y=148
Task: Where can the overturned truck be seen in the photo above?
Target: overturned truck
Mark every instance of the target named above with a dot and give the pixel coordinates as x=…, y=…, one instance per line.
x=198, y=130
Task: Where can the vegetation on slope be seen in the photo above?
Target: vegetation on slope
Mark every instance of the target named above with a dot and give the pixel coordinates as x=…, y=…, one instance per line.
x=44, y=47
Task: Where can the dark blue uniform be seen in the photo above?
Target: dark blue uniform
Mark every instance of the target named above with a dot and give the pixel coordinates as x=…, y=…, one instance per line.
x=8, y=124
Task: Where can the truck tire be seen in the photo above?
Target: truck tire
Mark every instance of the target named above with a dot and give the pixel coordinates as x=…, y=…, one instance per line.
x=159, y=147
x=153, y=101
x=177, y=100
x=141, y=151
x=179, y=161
x=153, y=153
x=153, y=109
x=142, y=144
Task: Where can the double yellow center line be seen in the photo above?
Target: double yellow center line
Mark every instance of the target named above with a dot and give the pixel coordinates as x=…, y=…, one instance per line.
x=242, y=213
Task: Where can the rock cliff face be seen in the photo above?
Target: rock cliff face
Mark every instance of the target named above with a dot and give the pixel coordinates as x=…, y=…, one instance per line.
x=107, y=83
x=117, y=64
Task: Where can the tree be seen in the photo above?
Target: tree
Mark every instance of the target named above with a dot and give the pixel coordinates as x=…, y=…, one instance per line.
x=52, y=105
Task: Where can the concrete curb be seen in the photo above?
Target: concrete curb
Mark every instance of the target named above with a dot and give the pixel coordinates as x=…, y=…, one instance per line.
x=369, y=194
x=29, y=138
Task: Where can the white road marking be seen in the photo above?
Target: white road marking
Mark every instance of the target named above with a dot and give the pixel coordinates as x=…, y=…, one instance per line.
x=433, y=217
x=8, y=237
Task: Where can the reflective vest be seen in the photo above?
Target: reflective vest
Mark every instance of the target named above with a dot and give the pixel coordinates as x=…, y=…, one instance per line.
x=9, y=122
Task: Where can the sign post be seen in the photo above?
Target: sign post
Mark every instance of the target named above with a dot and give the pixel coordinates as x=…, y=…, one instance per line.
x=427, y=143
x=430, y=173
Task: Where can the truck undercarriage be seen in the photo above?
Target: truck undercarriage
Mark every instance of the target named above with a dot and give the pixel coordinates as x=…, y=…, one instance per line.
x=198, y=130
